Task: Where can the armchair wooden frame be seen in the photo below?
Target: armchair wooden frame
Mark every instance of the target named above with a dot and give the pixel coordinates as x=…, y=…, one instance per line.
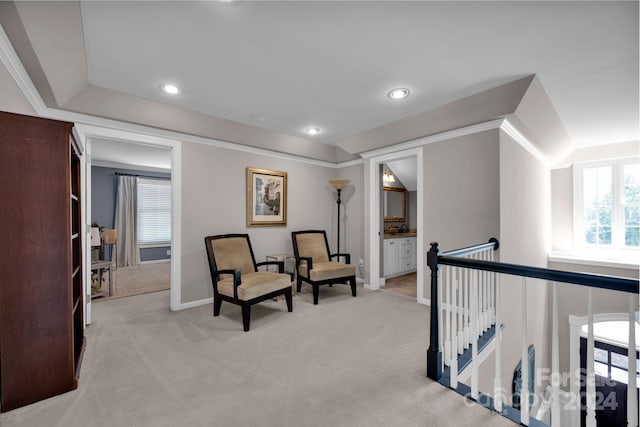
x=349, y=279
x=237, y=281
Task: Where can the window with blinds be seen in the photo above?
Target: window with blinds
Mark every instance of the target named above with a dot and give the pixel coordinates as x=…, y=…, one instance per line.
x=154, y=212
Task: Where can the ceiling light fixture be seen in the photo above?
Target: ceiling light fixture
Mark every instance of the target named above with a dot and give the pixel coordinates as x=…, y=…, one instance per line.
x=170, y=89
x=312, y=131
x=387, y=176
x=399, y=93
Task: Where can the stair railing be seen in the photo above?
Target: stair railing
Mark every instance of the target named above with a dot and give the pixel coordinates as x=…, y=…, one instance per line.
x=465, y=303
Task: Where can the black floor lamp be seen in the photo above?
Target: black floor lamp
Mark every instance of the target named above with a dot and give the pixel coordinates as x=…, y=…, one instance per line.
x=339, y=184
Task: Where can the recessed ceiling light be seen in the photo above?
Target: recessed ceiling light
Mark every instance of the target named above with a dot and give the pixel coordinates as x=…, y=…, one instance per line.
x=170, y=89
x=312, y=131
x=399, y=93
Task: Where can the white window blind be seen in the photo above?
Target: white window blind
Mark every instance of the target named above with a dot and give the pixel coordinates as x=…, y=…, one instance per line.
x=154, y=211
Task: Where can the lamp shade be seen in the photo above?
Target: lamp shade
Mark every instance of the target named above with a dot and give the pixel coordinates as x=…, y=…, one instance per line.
x=95, y=236
x=339, y=184
x=109, y=235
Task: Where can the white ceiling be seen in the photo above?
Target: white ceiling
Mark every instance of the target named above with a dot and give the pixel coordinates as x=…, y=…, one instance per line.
x=258, y=73
x=331, y=64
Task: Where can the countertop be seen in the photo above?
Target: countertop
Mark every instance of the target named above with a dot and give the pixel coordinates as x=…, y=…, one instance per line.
x=399, y=235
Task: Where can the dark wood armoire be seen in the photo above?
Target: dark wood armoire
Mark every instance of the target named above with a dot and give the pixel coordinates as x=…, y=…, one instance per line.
x=41, y=298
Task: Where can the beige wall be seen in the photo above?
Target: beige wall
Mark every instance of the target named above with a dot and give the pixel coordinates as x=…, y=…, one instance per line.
x=461, y=191
x=562, y=209
x=524, y=222
x=213, y=202
x=12, y=99
x=352, y=227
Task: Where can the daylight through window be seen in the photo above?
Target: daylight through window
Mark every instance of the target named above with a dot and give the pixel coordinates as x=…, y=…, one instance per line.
x=608, y=199
x=154, y=212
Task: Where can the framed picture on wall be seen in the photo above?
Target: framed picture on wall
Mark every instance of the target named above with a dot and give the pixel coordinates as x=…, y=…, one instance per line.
x=266, y=198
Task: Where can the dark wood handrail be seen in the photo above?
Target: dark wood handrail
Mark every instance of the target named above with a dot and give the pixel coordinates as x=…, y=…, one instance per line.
x=584, y=279
x=493, y=243
x=453, y=258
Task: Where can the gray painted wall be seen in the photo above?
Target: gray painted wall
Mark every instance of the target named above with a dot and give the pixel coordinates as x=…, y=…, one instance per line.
x=104, y=188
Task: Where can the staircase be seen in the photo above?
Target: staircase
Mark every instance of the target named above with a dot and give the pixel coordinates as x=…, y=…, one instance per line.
x=466, y=313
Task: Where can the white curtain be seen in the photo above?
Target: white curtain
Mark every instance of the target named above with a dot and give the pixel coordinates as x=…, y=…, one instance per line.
x=126, y=221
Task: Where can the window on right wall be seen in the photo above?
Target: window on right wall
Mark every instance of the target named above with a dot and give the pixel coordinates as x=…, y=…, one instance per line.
x=607, y=209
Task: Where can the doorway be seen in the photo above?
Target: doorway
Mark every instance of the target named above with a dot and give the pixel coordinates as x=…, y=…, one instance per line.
x=376, y=235
x=90, y=135
x=610, y=363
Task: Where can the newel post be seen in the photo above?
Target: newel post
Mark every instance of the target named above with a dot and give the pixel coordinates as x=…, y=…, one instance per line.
x=434, y=353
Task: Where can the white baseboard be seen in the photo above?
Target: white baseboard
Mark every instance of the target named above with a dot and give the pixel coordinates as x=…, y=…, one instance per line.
x=193, y=304
x=156, y=261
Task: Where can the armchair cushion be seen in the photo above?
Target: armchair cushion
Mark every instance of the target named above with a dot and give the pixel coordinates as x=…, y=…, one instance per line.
x=327, y=270
x=233, y=253
x=255, y=284
x=313, y=245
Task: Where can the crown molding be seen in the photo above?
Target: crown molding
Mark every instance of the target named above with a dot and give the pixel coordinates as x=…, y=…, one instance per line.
x=515, y=134
x=442, y=136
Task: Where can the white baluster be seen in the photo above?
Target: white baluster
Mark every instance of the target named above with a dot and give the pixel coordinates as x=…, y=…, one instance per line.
x=440, y=317
x=493, y=294
x=474, y=335
x=524, y=391
x=632, y=391
x=498, y=391
x=454, y=328
x=555, y=361
x=467, y=309
x=485, y=287
x=446, y=277
x=460, y=311
x=476, y=278
x=591, y=379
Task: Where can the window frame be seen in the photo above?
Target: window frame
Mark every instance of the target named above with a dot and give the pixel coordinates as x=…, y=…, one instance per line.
x=156, y=181
x=617, y=249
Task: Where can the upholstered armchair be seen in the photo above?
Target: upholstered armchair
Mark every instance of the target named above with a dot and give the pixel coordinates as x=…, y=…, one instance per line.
x=314, y=265
x=235, y=276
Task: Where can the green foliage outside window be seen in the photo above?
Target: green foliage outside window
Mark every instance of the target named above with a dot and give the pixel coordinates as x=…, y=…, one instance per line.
x=631, y=210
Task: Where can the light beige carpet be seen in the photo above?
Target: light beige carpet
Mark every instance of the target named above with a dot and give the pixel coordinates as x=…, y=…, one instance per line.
x=344, y=362
x=139, y=279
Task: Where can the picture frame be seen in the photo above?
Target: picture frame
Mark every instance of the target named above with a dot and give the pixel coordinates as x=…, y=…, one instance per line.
x=266, y=198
